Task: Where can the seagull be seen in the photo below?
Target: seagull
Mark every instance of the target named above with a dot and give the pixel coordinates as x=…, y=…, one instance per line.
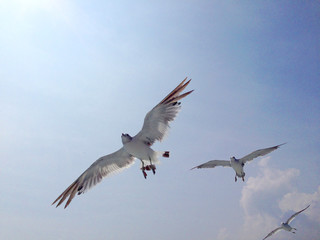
x=286, y=226
x=155, y=127
x=238, y=164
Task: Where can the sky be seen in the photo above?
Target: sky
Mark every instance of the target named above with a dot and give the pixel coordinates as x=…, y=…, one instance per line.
x=74, y=75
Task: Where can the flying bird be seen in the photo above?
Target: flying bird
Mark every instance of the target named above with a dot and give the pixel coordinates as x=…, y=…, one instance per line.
x=286, y=226
x=238, y=164
x=155, y=127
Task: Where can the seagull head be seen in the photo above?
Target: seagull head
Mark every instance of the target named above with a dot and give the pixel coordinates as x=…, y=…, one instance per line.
x=125, y=137
x=233, y=158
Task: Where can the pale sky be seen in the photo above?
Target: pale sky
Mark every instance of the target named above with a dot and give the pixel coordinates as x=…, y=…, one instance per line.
x=74, y=75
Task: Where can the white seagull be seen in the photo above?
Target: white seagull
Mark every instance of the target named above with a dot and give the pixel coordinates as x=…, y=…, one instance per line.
x=286, y=226
x=238, y=164
x=155, y=127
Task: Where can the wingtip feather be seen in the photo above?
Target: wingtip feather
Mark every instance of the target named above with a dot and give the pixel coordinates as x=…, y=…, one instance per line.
x=174, y=96
x=281, y=144
x=69, y=192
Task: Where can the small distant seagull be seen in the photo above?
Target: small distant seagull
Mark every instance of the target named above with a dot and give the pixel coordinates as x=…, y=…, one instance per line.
x=286, y=226
x=155, y=127
x=238, y=164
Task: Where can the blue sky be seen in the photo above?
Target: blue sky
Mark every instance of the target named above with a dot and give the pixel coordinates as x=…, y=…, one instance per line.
x=76, y=74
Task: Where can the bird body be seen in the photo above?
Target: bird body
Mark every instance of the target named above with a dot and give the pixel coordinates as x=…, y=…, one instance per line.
x=287, y=227
x=140, y=150
x=237, y=166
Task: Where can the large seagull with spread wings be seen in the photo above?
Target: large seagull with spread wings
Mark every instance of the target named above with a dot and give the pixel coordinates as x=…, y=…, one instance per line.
x=155, y=127
x=238, y=164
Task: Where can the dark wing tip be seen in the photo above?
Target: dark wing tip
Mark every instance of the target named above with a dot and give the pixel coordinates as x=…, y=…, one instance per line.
x=199, y=166
x=174, y=96
x=305, y=208
x=69, y=192
x=176, y=99
x=281, y=144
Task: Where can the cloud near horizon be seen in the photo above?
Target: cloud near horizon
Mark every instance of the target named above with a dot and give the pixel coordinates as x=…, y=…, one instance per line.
x=270, y=198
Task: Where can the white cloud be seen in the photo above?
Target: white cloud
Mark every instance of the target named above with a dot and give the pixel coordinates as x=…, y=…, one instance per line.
x=296, y=201
x=264, y=190
x=271, y=197
x=264, y=161
x=223, y=234
x=254, y=225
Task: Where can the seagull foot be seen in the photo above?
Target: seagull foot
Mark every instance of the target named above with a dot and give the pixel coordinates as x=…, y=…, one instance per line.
x=166, y=154
x=149, y=168
x=153, y=168
x=144, y=172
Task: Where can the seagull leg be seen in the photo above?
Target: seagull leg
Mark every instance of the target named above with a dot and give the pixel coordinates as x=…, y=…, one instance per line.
x=235, y=178
x=143, y=168
x=153, y=167
x=243, y=179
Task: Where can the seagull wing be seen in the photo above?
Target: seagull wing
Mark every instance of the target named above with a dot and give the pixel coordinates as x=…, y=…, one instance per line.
x=156, y=122
x=103, y=167
x=294, y=215
x=258, y=153
x=274, y=231
x=214, y=163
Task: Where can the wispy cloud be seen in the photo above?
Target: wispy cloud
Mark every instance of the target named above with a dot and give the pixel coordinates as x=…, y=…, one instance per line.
x=223, y=234
x=261, y=192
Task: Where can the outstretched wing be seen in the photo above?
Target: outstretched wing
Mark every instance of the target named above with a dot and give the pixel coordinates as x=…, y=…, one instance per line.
x=104, y=166
x=156, y=122
x=258, y=153
x=214, y=163
x=274, y=231
x=294, y=215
